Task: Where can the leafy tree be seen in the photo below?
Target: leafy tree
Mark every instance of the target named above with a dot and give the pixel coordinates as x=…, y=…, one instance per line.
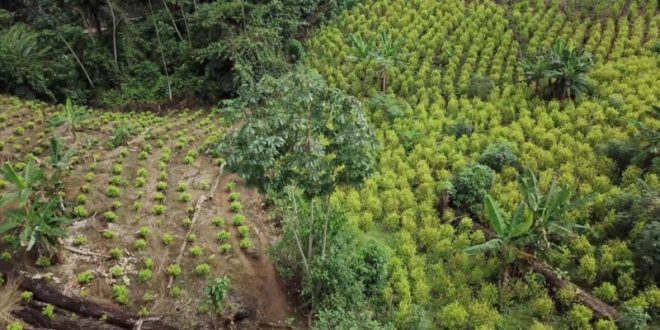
x=384, y=52
x=297, y=130
x=497, y=156
x=647, y=251
x=559, y=72
x=470, y=185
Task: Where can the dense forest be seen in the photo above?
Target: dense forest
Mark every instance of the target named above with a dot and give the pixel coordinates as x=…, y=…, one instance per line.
x=330, y=164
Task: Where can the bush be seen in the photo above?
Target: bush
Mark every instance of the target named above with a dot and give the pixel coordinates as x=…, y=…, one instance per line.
x=647, y=252
x=480, y=87
x=606, y=292
x=120, y=294
x=470, y=187
x=579, y=317
x=621, y=152
x=605, y=325
x=453, y=316
x=633, y=318
x=543, y=307
x=497, y=156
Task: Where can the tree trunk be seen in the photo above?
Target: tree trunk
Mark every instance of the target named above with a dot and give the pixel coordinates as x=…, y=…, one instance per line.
x=44, y=293
x=601, y=308
x=584, y=297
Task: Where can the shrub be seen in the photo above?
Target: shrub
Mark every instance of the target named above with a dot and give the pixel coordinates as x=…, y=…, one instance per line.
x=579, y=317
x=79, y=240
x=606, y=292
x=167, y=239
x=587, y=269
x=43, y=261
x=235, y=206
x=109, y=234
x=196, y=251
x=115, y=205
x=144, y=232
x=120, y=294
x=243, y=231
x=224, y=248
x=116, y=271
x=202, y=269
x=148, y=263
x=48, y=311
x=116, y=253
x=158, y=209
x=605, y=325
x=234, y=196
x=174, y=270
x=140, y=244
x=144, y=275
x=80, y=211
x=480, y=87
x=246, y=243
x=218, y=222
x=453, y=316
x=140, y=182
x=543, y=307
x=185, y=197
x=161, y=185
x=222, y=235
x=113, y=191
x=647, y=251
x=238, y=220
x=470, y=187
x=16, y=325
x=85, y=277
x=26, y=296
x=497, y=156
x=90, y=176
x=621, y=152
x=633, y=318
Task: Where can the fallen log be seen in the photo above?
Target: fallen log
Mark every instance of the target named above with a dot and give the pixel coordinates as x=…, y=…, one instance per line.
x=85, y=308
x=599, y=307
x=33, y=316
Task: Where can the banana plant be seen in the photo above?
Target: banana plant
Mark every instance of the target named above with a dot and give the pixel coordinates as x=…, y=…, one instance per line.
x=509, y=235
x=38, y=225
x=72, y=116
x=549, y=209
x=24, y=182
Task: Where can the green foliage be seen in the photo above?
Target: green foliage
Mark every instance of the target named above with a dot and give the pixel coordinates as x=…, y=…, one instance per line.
x=85, y=277
x=202, y=269
x=579, y=317
x=559, y=72
x=120, y=294
x=144, y=275
x=453, y=316
x=633, y=318
x=647, y=251
x=470, y=186
x=294, y=124
x=174, y=270
x=48, y=311
x=217, y=290
x=497, y=156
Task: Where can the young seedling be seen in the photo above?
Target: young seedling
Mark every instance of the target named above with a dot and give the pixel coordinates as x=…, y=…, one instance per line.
x=120, y=294
x=110, y=216
x=222, y=235
x=115, y=205
x=137, y=205
x=246, y=243
x=225, y=248
x=80, y=211
x=183, y=186
x=144, y=232
x=236, y=206
x=230, y=186
x=90, y=176
x=167, y=239
x=79, y=240
x=243, y=231
x=218, y=222
x=109, y=234
x=140, y=244
x=196, y=251
x=116, y=253
x=145, y=275
x=174, y=270
x=48, y=311
x=185, y=197
x=234, y=197
x=113, y=191
x=43, y=261
x=81, y=199
x=117, y=271
x=192, y=238
x=85, y=277
x=202, y=269
x=187, y=223
x=158, y=209
x=238, y=220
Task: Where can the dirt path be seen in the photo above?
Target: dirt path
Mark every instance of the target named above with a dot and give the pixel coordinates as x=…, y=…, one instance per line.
x=258, y=275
